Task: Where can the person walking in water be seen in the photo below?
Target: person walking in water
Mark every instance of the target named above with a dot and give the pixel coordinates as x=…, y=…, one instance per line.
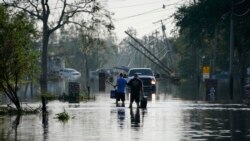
x=136, y=88
x=121, y=85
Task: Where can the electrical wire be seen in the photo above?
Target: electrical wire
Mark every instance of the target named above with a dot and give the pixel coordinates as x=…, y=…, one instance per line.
x=147, y=12
x=243, y=14
x=127, y=6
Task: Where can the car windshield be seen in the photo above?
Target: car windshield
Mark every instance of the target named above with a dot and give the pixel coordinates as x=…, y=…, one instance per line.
x=140, y=72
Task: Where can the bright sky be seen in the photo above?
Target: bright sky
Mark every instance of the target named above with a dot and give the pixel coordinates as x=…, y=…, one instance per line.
x=142, y=15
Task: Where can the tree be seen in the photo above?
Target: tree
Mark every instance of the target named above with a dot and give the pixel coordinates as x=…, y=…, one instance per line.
x=18, y=57
x=185, y=64
x=96, y=52
x=207, y=21
x=77, y=12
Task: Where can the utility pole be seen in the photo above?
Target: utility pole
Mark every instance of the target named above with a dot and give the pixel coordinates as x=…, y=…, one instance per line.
x=231, y=80
x=155, y=42
x=170, y=61
x=152, y=60
x=151, y=54
x=215, y=50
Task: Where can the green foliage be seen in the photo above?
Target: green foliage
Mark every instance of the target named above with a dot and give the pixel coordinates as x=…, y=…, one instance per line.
x=205, y=24
x=186, y=65
x=63, y=116
x=201, y=17
x=18, y=57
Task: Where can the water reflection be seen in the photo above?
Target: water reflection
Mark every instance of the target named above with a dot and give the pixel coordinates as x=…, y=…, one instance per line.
x=120, y=105
x=45, y=122
x=153, y=98
x=15, y=125
x=220, y=125
x=12, y=133
x=175, y=120
x=135, y=117
x=121, y=116
x=167, y=117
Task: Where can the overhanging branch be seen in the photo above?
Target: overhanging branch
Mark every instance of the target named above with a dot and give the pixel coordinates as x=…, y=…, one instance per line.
x=25, y=9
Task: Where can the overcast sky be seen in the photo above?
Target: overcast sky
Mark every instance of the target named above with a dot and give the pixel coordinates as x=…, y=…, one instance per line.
x=142, y=15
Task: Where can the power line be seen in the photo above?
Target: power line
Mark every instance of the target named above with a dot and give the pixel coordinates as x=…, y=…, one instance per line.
x=147, y=12
x=136, y=5
x=137, y=14
x=162, y=20
x=243, y=14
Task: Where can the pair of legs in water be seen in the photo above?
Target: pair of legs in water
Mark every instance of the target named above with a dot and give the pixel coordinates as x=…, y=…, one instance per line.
x=120, y=96
x=133, y=97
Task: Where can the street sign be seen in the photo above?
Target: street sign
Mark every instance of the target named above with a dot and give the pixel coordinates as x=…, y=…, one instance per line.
x=206, y=72
x=206, y=69
x=206, y=76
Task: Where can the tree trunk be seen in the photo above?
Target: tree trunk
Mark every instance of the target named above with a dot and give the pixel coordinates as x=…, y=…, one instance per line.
x=13, y=97
x=18, y=106
x=87, y=71
x=43, y=79
x=17, y=102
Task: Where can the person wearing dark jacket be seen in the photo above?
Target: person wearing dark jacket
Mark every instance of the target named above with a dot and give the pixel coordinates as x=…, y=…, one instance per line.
x=136, y=88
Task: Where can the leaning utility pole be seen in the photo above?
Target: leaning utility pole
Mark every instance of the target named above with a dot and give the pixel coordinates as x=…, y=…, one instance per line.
x=170, y=61
x=151, y=54
x=152, y=60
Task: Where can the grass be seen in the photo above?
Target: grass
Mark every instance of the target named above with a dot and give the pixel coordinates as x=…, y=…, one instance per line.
x=63, y=116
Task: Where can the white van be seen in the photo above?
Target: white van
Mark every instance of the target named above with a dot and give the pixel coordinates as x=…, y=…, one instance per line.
x=69, y=73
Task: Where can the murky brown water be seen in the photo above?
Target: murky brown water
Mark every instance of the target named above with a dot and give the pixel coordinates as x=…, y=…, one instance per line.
x=166, y=118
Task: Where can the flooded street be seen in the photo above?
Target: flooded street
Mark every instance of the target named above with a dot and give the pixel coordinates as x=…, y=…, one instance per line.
x=167, y=117
x=63, y=61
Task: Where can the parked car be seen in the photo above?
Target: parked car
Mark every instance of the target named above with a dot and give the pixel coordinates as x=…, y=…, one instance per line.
x=69, y=73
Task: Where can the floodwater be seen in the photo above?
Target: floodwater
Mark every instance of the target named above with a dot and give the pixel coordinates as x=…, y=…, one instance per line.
x=167, y=117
